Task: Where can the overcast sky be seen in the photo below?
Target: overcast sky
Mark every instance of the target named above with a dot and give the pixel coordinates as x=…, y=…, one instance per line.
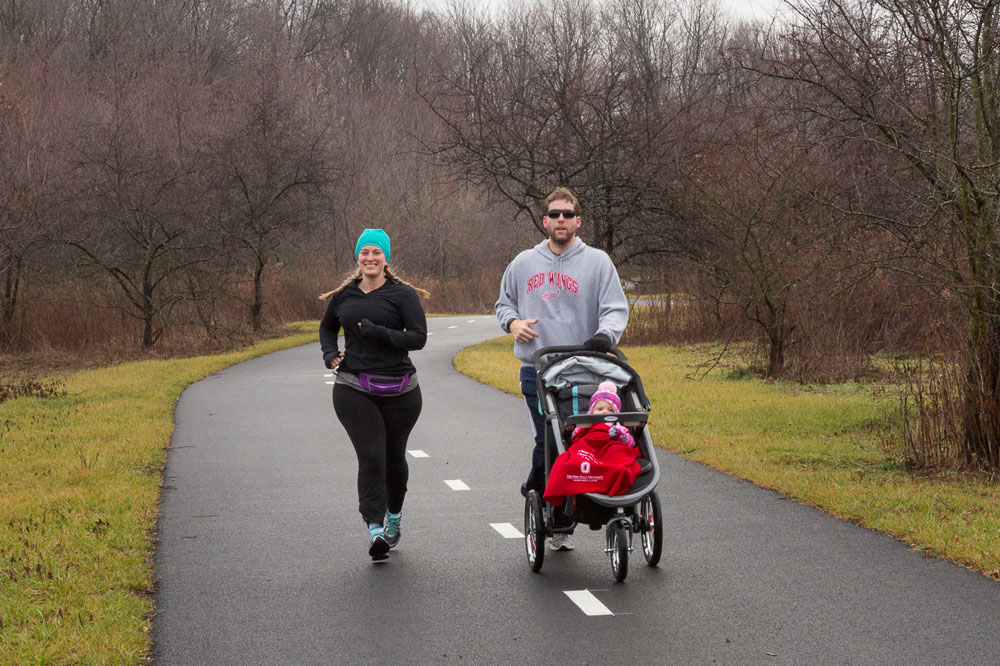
x=759, y=9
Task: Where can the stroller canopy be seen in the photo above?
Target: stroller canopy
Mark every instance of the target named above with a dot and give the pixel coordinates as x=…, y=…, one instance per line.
x=577, y=370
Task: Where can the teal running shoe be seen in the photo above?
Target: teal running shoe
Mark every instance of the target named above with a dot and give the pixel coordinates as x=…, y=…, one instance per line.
x=392, y=529
x=378, y=547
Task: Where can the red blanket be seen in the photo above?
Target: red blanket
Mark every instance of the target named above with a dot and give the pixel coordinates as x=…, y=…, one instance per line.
x=595, y=463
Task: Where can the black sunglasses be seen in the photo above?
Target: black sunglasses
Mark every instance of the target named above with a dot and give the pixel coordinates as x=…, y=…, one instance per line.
x=554, y=214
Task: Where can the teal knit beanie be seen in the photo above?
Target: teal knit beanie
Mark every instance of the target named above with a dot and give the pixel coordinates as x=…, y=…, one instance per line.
x=375, y=237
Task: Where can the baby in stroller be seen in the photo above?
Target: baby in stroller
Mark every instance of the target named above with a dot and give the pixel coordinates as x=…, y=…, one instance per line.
x=602, y=457
x=606, y=401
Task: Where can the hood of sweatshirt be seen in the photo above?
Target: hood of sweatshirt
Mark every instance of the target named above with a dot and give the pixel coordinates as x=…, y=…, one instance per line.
x=574, y=249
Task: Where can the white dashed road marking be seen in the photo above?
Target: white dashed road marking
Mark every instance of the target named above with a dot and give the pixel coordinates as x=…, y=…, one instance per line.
x=331, y=383
x=587, y=602
x=457, y=484
x=507, y=531
x=471, y=321
x=417, y=453
x=451, y=327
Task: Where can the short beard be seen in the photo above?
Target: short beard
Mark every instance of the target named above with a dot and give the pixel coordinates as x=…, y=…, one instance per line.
x=563, y=244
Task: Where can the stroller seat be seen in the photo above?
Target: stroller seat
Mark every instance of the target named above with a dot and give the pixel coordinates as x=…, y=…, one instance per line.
x=573, y=401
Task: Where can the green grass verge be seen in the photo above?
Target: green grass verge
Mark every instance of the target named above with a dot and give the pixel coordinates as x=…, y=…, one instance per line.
x=80, y=479
x=819, y=445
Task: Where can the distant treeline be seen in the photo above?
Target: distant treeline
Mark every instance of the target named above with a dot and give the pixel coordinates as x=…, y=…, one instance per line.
x=823, y=186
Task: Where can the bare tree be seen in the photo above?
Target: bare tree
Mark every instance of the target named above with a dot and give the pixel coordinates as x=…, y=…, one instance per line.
x=562, y=93
x=767, y=243
x=139, y=189
x=31, y=175
x=272, y=153
x=37, y=27
x=918, y=79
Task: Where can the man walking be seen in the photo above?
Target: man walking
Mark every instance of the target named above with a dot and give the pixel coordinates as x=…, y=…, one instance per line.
x=560, y=292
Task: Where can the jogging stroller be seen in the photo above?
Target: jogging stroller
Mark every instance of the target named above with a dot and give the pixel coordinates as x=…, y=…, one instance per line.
x=567, y=377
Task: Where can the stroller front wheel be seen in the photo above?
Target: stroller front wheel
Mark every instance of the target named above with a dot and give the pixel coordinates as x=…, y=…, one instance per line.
x=618, y=550
x=534, y=531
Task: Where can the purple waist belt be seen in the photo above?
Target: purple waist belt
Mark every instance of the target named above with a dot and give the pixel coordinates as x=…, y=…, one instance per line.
x=376, y=384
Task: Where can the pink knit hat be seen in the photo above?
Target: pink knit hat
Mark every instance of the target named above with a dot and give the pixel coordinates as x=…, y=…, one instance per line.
x=606, y=391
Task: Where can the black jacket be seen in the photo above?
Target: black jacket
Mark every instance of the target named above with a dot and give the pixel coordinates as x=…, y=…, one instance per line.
x=392, y=323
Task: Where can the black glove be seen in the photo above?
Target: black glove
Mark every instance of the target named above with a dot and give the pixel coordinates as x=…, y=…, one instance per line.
x=598, y=343
x=366, y=328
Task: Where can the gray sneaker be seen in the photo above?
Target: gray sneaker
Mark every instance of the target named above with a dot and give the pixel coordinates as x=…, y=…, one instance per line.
x=392, y=528
x=561, y=541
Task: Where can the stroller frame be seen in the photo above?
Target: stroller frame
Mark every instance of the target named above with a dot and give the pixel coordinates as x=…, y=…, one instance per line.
x=636, y=512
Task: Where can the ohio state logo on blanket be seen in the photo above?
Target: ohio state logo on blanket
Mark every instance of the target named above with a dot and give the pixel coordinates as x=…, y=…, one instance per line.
x=595, y=463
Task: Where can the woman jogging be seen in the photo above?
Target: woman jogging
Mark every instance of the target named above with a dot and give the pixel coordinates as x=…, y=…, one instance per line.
x=376, y=395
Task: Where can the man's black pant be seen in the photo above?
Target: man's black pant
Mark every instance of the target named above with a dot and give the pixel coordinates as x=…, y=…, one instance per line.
x=529, y=389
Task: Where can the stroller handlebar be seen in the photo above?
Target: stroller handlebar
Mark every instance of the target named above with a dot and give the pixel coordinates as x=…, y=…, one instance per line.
x=630, y=419
x=536, y=358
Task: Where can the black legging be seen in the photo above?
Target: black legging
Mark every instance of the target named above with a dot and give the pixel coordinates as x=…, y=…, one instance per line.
x=378, y=426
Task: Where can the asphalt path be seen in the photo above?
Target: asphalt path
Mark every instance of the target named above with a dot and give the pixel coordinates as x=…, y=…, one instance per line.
x=262, y=555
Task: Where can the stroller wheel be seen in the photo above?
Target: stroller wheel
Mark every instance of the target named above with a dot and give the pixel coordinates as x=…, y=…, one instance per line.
x=534, y=531
x=618, y=549
x=651, y=529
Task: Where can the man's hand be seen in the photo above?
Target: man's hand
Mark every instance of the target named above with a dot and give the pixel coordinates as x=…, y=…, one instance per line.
x=522, y=331
x=598, y=343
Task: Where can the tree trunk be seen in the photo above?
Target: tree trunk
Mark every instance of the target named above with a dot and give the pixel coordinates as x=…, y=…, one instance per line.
x=258, y=298
x=982, y=411
x=982, y=414
x=9, y=304
x=148, y=337
x=776, y=356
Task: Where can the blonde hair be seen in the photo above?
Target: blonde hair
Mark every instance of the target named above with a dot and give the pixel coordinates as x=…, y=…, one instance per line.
x=562, y=193
x=389, y=275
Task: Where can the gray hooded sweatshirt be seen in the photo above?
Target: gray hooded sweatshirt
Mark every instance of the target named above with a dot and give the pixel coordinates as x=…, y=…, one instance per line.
x=574, y=296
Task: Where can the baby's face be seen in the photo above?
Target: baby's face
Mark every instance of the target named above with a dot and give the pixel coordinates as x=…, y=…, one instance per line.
x=603, y=407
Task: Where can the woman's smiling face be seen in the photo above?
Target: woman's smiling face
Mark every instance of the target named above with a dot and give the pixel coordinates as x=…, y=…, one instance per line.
x=371, y=261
